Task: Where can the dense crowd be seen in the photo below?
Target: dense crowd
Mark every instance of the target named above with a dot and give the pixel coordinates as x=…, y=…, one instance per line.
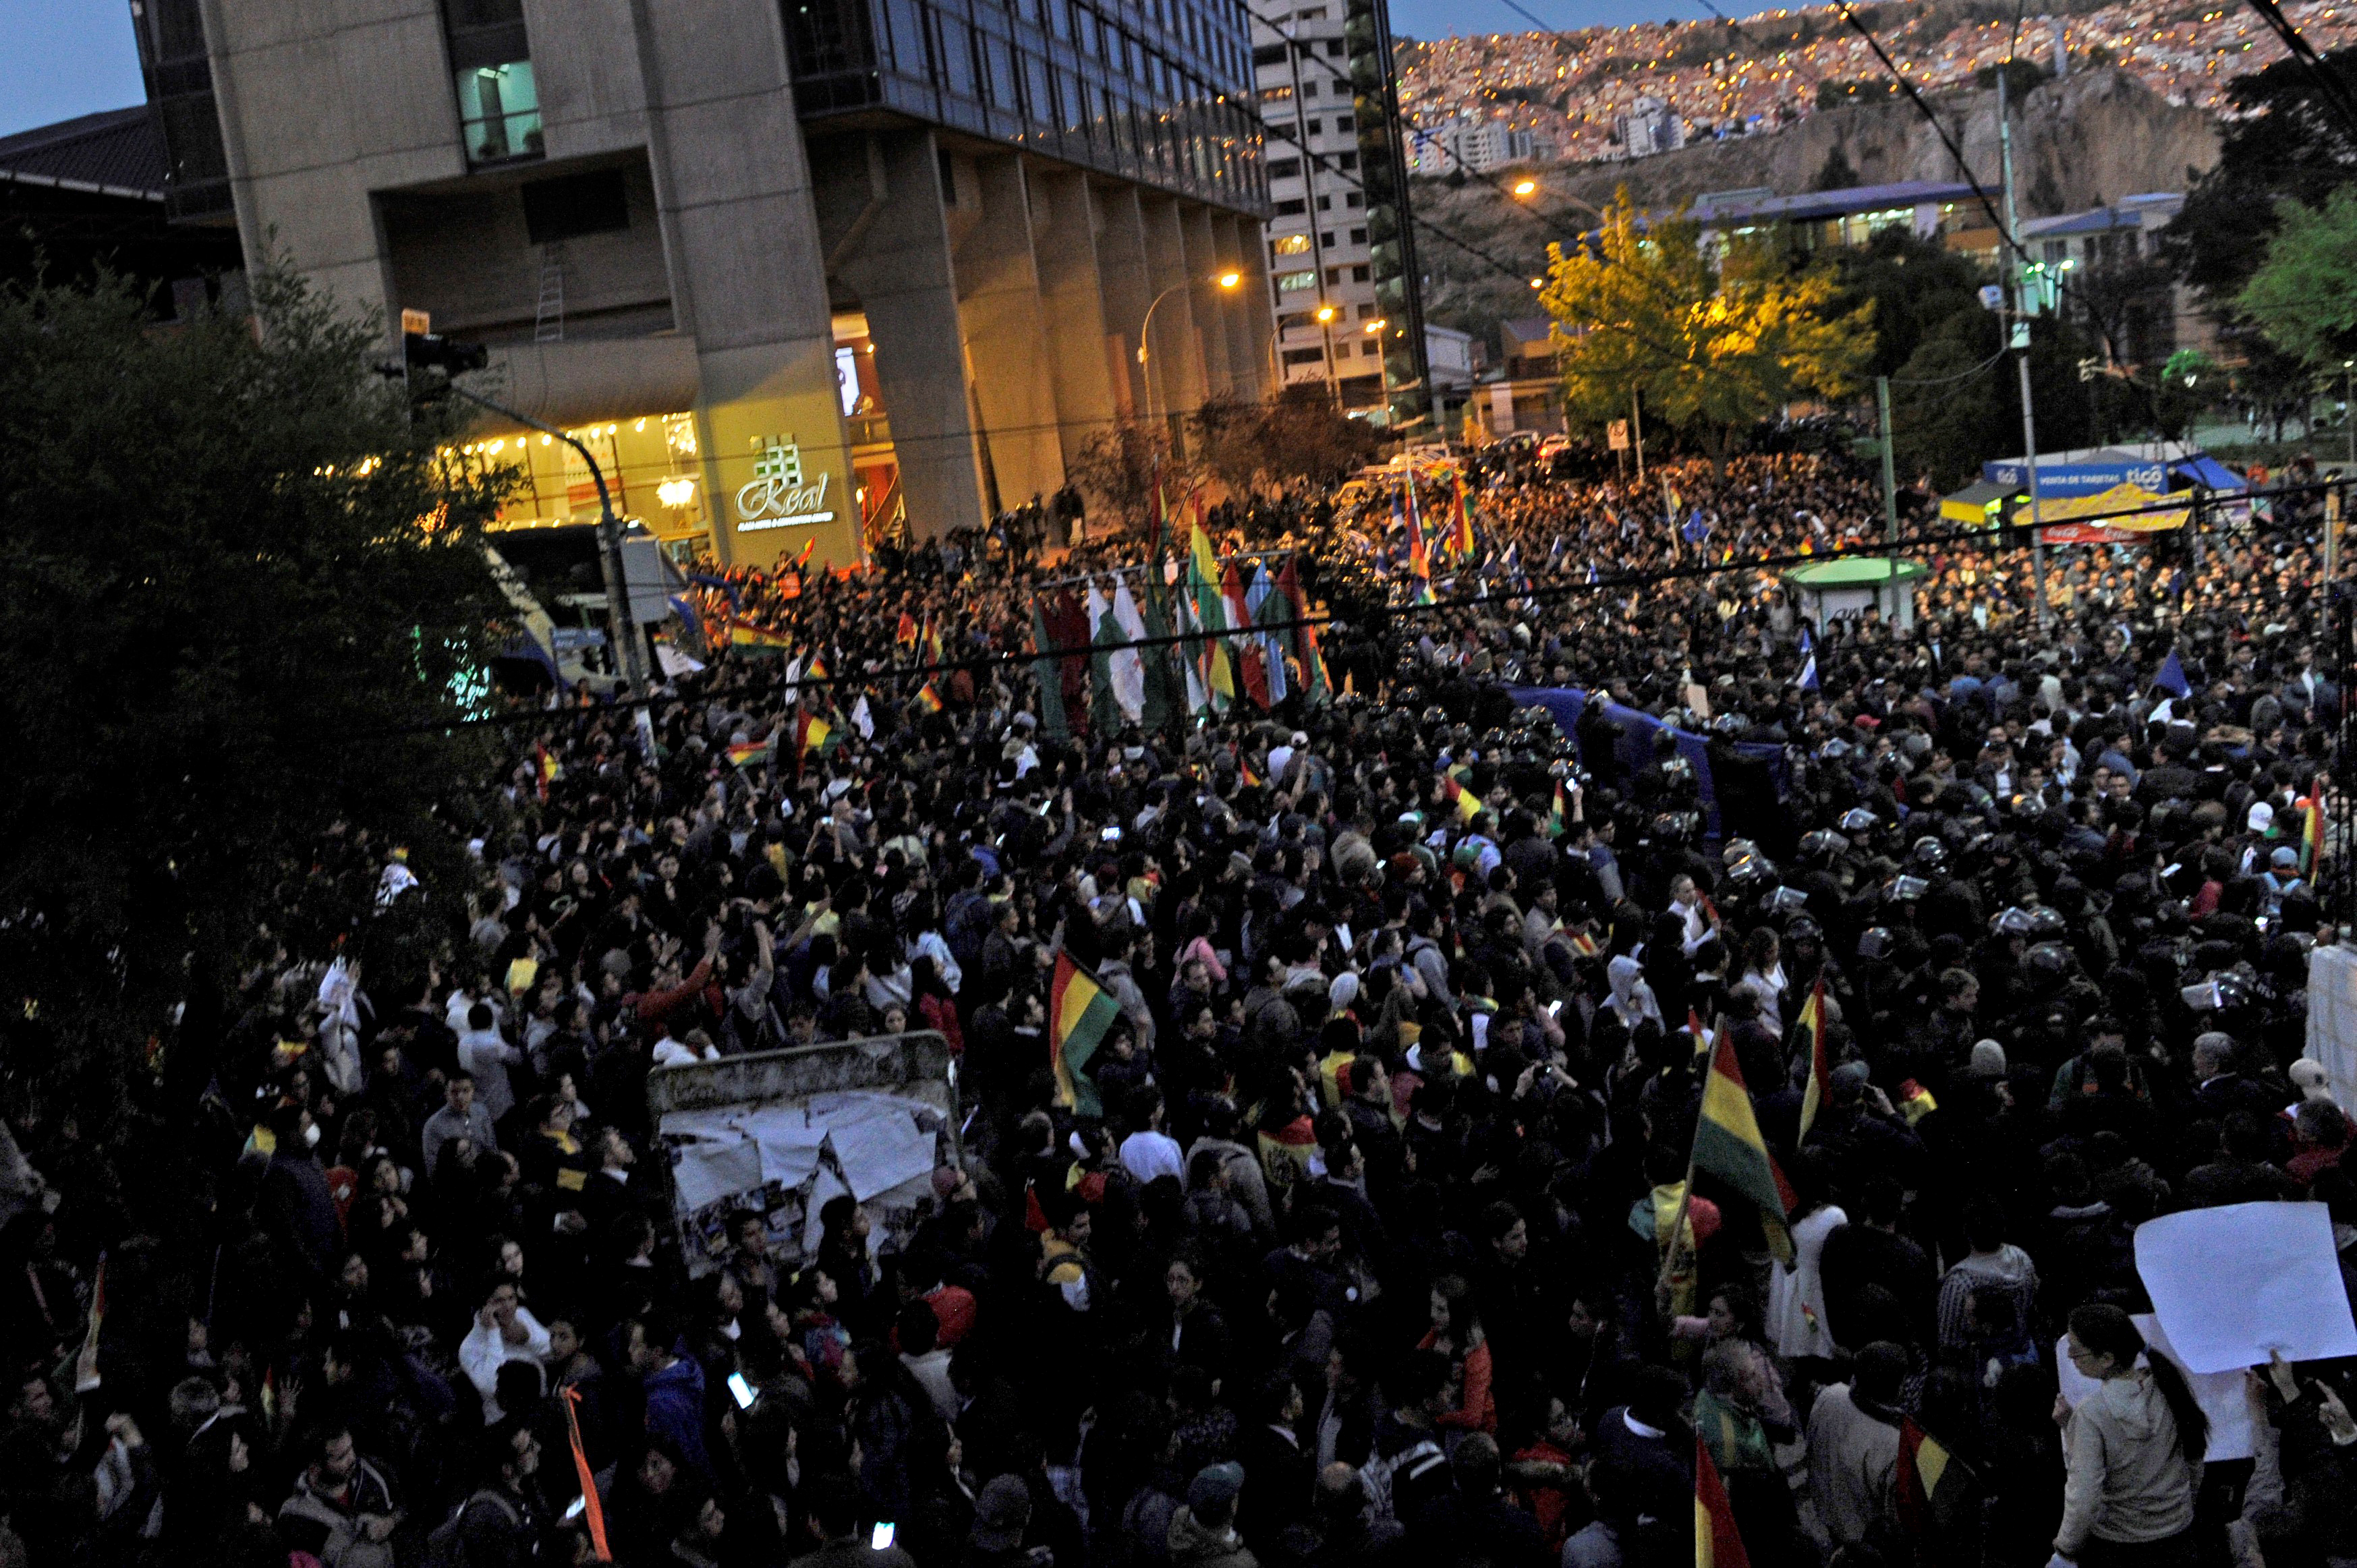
x=1365, y=1235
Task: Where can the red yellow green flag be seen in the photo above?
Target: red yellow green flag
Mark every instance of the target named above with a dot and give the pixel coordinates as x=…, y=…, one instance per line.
x=1812, y=1029
x=1718, y=1542
x=1461, y=525
x=751, y=752
x=930, y=697
x=756, y=639
x=1728, y=1144
x=1559, y=816
x=1921, y=1462
x=1080, y=1011
x=1469, y=805
x=905, y=633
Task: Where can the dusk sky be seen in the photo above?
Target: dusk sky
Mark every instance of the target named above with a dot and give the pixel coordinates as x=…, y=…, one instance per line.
x=73, y=57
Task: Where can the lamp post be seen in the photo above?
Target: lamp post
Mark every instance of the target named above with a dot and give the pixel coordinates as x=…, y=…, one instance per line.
x=1230, y=280
x=2349, y=405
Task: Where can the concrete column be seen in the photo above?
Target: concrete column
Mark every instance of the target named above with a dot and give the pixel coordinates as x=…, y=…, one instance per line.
x=1007, y=343
x=884, y=214
x=1176, y=365
x=740, y=228
x=1127, y=287
x=1064, y=252
x=1247, y=356
x=1209, y=300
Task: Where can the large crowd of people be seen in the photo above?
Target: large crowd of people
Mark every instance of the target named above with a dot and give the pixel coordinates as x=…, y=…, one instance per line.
x=1367, y=1234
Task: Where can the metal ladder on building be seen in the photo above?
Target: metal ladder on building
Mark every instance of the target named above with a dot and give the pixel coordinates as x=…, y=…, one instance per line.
x=548, y=321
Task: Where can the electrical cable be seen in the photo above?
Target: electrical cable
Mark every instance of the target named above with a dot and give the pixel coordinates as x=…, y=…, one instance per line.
x=1535, y=592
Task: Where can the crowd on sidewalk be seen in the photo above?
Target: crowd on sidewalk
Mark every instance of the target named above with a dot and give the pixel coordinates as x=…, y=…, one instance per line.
x=1364, y=1231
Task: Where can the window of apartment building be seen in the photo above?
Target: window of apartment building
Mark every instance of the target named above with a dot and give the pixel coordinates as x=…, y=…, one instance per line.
x=1354, y=198
x=1294, y=282
x=1366, y=312
x=1359, y=275
x=1284, y=168
x=1315, y=127
x=1342, y=122
x=1357, y=236
x=1333, y=276
x=1309, y=89
x=1304, y=356
x=1315, y=13
x=1346, y=160
x=1333, y=48
x=490, y=64
x=1274, y=94
x=1290, y=245
x=1269, y=54
x=1291, y=319
x=1290, y=209
x=1325, y=203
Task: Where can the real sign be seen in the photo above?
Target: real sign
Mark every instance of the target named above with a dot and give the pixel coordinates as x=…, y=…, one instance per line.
x=776, y=496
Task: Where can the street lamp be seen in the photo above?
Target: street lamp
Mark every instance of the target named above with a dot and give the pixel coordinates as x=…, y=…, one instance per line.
x=1227, y=280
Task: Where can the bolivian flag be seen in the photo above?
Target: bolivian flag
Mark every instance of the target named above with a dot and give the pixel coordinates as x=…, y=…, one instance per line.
x=1728, y=1144
x=1717, y=1543
x=546, y=769
x=812, y=733
x=1469, y=805
x=1559, y=817
x=2311, y=831
x=817, y=671
x=751, y=752
x=931, y=698
x=755, y=639
x=1921, y=1462
x=1245, y=772
x=905, y=635
x=1080, y=1011
x=1420, y=560
x=1460, y=535
x=1812, y=1029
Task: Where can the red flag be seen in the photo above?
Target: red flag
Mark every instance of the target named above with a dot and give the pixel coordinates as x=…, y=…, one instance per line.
x=1717, y=1543
x=592, y=1510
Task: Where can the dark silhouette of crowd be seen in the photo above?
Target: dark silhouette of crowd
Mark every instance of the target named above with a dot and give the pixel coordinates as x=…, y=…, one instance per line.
x=1369, y=1239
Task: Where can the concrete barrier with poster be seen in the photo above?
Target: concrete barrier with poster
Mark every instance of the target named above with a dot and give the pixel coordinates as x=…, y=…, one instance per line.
x=2332, y=1017
x=778, y=1134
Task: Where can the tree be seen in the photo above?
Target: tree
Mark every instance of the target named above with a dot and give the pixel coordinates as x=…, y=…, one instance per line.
x=2281, y=141
x=246, y=601
x=1913, y=286
x=1835, y=173
x=1713, y=344
x=2304, y=294
x=1296, y=437
x=1118, y=467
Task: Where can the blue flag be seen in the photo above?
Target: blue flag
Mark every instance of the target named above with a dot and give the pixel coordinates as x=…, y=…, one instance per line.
x=1808, y=678
x=2171, y=677
x=1696, y=530
x=1807, y=647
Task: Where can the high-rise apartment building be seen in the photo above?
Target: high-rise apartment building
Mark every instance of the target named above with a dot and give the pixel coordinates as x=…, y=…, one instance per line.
x=1341, y=255
x=796, y=268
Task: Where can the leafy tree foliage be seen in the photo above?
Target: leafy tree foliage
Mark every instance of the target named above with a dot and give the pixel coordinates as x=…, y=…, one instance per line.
x=2283, y=144
x=1714, y=343
x=240, y=581
x=2304, y=294
x=1298, y=437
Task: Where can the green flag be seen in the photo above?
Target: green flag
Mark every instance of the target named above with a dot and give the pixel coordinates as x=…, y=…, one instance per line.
x=1050, y=675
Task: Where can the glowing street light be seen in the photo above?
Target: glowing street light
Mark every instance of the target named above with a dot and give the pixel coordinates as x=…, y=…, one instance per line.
x=1326, y=313
x=1526, y=187
x=1377, y=325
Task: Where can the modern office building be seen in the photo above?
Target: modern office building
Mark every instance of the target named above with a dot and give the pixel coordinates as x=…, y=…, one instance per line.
x=1341, y=247
x=797, y=269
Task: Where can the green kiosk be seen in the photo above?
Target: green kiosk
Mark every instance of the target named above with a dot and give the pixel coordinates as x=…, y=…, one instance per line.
x=1847, y=588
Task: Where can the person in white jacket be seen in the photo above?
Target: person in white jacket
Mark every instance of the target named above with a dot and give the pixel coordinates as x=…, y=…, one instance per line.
x=1796, y=1291
x=504, y=1331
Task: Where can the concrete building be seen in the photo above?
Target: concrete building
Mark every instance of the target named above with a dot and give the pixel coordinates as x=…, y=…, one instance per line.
x=1340, y=245
x=2103, y=267
x=1477, y=147
x=803, y=272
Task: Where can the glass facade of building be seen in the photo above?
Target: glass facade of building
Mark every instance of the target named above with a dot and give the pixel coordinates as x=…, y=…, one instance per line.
x=1157, y=92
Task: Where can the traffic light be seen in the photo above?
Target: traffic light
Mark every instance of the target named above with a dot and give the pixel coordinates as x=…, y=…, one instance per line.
x=431, y=350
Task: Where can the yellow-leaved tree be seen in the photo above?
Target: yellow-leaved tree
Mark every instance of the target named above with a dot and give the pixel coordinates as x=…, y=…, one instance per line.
x=1714, y=338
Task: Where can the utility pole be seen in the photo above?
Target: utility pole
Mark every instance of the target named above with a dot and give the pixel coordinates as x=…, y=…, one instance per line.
x=629, y=650
x=2020, y=344
x=1637, y=429
x=1889, y=492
